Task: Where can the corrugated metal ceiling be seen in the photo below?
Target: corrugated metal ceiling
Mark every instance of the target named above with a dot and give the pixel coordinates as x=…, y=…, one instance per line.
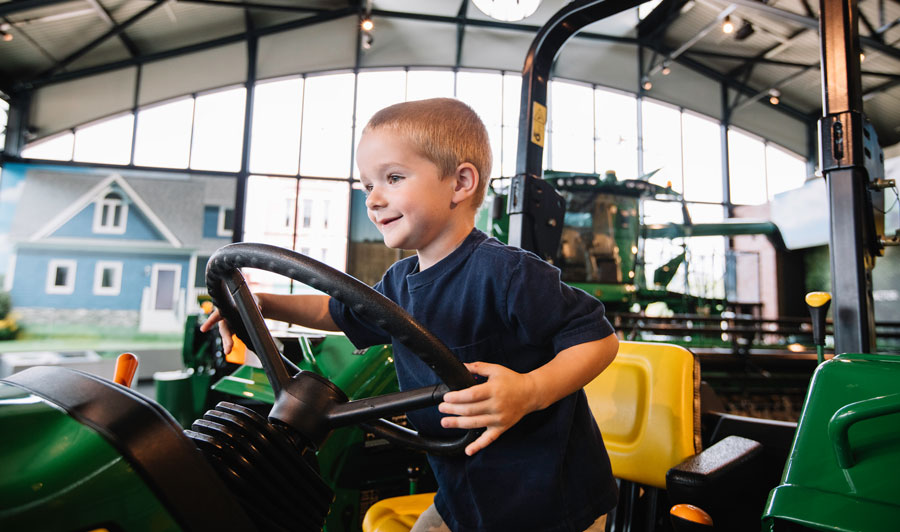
x=56, y=40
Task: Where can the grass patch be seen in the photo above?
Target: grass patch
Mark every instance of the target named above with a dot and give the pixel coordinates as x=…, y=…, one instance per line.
x=106, y=341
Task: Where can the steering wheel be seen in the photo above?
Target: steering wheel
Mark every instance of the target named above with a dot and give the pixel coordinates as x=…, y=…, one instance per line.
x=309, y=403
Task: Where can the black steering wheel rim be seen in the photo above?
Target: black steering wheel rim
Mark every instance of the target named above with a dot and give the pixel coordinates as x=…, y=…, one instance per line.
x=224, y=281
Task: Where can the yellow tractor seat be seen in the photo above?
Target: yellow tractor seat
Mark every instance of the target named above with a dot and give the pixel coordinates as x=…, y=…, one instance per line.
x=647, y=405
x=396, y=514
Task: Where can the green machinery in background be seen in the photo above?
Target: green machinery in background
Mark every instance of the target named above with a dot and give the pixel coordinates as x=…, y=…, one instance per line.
x=601, y=244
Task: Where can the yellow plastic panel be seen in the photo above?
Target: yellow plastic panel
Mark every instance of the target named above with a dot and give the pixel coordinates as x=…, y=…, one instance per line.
x=396, y=514
x=645, y=403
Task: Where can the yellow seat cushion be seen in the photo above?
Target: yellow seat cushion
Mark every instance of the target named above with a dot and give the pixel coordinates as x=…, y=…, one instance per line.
x=396, y=514
x=647, y=406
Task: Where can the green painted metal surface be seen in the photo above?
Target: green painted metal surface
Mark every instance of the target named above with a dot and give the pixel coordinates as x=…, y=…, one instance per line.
x=249, y=382
x=842, y=473
x=57, y=474
x=710, y=229
x=608, y=292
x=358, y=373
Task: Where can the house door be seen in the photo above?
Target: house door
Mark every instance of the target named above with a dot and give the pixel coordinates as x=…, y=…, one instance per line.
x=165, y=286
x=162, y=307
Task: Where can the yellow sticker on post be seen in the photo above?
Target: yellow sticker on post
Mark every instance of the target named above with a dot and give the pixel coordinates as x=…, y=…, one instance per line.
x=538, y=122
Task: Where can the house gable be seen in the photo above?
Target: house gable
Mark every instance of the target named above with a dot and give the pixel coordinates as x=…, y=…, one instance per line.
x=135, y=225
x=111, y=209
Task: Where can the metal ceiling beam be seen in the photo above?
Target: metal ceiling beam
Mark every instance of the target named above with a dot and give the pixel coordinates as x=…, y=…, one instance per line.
x=775, y=62
x=9, y=8
x=873, y=32
x=101, y=39
x=481, y=23
x=147, y=58
x=887, y=26
x=808, y=22
x=886, y=86
x=104, y=14
x=745, y=58
x=808, y=8
x=741, y=88
x=693, y=40
x=654, y=25
x=461, y=30
x=777, y=85
x=259, y=6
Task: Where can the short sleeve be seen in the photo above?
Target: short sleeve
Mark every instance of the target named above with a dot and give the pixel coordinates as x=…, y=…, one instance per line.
x=360, y=332
x=543, y=310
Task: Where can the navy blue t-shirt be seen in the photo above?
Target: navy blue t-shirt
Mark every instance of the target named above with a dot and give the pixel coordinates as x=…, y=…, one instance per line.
x=494, y=303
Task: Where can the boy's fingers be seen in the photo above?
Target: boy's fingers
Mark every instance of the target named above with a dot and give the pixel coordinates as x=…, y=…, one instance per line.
x=479, y=392
x=210, y=321
x=484, y=369
x=465, y=409
x=483, y=441
x=467, y=422
x=225, y=333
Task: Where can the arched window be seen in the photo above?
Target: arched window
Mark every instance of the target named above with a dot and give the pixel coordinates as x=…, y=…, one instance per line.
x=110, y=214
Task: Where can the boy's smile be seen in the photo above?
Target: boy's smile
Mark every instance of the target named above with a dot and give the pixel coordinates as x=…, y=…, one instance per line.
x=407, y=199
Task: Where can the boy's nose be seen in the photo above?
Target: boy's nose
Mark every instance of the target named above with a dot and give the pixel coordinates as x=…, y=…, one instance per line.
x=374, y=199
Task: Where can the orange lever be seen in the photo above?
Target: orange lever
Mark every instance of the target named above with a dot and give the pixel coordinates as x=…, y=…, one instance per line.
x=126, y=366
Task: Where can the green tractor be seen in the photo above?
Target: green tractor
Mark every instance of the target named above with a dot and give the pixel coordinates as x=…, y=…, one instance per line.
x=316, y=435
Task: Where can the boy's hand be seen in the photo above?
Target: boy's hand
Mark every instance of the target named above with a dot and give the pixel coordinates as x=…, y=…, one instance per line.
x=497, y=404
x=224, y=330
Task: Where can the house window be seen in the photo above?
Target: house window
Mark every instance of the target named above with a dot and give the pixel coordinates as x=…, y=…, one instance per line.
x=61, y=276
x=307, y=213
x=289, y=209
x=226, y=222
x=325, y=207
x=108, y=278
x=110, y=214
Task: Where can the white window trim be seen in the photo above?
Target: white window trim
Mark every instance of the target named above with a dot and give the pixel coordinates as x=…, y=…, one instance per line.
x=221, y=230
x=98, y=226
x=52, y=266
x=116, y=288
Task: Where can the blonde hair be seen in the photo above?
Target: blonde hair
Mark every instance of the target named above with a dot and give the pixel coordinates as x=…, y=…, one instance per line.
x=445, y=131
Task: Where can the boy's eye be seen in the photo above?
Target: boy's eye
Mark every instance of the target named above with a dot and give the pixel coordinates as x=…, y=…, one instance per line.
x=393, y=178
x=367, y=189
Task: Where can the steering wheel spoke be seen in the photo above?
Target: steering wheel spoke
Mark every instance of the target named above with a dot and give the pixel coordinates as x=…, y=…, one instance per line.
x=306, y=401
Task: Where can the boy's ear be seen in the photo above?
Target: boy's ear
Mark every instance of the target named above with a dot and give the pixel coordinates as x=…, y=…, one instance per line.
x=467, y=180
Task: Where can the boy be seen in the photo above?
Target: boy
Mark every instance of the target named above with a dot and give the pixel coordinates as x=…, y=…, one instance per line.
x=540, y=464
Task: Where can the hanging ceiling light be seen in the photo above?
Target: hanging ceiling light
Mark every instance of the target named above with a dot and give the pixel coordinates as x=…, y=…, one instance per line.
x=367, y=24
x=727, y=25
x=665, y=69
x=5, y=35
x=646, y=83
x=744, y=31
x=774, y=96
x=507, y=10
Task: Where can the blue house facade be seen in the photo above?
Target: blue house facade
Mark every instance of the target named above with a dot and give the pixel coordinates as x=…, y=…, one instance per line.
x=110, y=251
